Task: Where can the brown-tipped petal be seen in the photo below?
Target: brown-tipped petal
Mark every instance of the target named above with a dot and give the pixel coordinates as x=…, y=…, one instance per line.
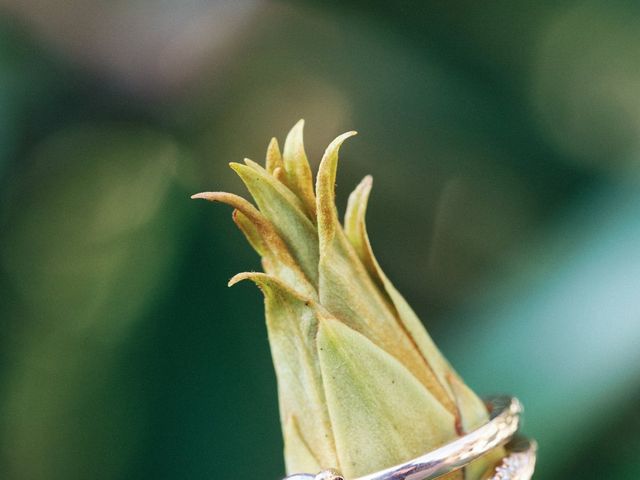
x=232, y=200
x=325, y=190
x=201, y=196
x=297, y=170
x=295, y=228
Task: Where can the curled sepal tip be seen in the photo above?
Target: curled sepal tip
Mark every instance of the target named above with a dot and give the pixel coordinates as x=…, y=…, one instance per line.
x=325, y=190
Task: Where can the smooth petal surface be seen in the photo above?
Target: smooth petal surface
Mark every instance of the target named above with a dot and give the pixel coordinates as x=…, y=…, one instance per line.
x=380, y=413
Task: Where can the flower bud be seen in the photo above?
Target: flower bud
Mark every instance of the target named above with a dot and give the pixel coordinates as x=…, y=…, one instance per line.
x=361, y=385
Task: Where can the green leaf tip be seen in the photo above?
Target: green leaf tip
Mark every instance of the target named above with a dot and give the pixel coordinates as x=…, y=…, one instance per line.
x=361, y=385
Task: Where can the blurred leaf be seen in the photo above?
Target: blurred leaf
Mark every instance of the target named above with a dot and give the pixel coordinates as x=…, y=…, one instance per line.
x=89, y=239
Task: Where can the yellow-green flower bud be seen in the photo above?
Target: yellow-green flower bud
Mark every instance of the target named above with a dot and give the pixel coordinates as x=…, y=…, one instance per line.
x=361, y=384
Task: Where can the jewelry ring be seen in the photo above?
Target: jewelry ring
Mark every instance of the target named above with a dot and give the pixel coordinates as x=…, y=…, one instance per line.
x=503, y=424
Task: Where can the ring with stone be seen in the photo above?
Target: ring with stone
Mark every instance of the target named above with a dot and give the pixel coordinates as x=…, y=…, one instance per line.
x=501, y=429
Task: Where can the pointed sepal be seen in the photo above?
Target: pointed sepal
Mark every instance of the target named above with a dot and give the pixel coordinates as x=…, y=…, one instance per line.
x=297, y=171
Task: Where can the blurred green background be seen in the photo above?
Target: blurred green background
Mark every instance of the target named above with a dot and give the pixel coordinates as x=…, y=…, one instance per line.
x=504, y=140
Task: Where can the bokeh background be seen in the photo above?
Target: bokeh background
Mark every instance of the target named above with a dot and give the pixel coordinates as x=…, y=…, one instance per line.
x=504, y=140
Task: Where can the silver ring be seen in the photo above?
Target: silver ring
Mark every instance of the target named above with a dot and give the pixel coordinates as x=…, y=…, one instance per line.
x=502, y=426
